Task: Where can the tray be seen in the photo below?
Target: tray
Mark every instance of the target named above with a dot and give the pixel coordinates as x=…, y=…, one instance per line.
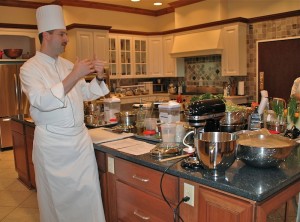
x=149, y=138
x=103, y=125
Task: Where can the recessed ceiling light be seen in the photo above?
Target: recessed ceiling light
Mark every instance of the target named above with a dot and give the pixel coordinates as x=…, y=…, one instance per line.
x=157, y=3
x=135, y=0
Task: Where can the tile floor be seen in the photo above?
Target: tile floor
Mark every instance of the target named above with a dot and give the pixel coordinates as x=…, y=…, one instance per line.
x=17, y=202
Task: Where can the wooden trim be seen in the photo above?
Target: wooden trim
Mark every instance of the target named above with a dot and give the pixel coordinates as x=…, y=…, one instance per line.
x=274, y=16
x=181, y=3
x=86, y=26
x=17, y=26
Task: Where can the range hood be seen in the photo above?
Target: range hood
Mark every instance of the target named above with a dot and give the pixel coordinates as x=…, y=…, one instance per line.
x=197, y=44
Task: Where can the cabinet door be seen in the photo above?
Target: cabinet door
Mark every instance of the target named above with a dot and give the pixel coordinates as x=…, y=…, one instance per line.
x=125, y=55
x=169, y=62
x=29, y=131
x=113, y=57
x=234, y=56
x=100, y=40
x=214, y=206
x=140, y=57
x=155, y=57
x=20, y=152
x=85, y=44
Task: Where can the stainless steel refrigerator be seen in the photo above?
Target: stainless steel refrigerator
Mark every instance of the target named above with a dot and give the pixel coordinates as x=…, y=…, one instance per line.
x=12, y=100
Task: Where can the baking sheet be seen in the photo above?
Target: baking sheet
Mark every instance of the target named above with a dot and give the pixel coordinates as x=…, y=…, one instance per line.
x=100, y=135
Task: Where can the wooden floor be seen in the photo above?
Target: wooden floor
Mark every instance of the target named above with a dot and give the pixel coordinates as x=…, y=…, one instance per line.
x=17, y=202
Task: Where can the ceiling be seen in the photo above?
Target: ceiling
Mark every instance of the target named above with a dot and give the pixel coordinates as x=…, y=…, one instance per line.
x=142, y=4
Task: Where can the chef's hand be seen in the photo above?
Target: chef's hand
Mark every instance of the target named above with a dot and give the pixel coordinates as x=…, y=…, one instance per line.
x=83, y=67
x=99, y=68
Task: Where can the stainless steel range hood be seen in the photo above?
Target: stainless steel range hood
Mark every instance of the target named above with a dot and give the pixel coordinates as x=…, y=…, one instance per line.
x=197, y=44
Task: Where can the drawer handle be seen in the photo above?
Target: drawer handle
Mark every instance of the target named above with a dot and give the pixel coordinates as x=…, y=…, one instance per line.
x=140, y=179
x=141, y=216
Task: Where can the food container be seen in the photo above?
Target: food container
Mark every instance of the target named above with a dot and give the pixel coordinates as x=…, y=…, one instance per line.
x=216, y=151
x=168, y=132
x=263, y=151
x=169, y=112
x=111, y=106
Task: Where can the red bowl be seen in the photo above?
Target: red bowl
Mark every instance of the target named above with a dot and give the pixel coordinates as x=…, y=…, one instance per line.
x=13, y=53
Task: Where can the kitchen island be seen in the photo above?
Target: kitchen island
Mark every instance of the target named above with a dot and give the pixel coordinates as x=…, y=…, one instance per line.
x=244, y=194
x=130, y=186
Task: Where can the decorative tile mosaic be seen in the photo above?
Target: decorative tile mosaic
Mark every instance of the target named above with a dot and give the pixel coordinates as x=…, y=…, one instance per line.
x=204, y=71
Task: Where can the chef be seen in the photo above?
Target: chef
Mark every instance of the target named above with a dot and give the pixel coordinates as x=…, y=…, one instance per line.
x=66, y=172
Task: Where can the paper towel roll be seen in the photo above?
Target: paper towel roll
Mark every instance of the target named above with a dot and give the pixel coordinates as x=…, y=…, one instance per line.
x=241, y=88
x=264, y=93
x=263, y=103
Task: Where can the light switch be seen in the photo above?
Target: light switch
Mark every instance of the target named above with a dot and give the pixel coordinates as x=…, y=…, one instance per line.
x=111, y=165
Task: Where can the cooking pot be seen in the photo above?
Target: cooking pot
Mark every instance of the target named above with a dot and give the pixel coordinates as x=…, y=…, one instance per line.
x=215, y=151
x=263, y=151
x=233, y=118
x=127, y=118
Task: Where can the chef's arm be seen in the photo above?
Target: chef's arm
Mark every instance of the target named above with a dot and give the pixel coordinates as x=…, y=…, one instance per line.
x=81, y=68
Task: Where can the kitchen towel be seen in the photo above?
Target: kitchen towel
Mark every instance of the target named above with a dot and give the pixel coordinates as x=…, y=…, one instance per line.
x=263, y=104
x=241, y=88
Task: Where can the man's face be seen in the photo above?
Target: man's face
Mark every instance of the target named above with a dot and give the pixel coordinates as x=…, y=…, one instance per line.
x=58, y=39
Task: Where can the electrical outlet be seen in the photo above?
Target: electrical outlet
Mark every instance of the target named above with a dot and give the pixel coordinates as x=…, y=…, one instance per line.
x=111, y=165
x=188, y=191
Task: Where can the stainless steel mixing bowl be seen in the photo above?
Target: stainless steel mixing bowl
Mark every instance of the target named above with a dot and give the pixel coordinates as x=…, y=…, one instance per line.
x=216, y=151
x=264, y=150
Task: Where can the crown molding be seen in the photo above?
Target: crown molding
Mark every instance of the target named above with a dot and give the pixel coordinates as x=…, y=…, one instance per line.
x=102, y=6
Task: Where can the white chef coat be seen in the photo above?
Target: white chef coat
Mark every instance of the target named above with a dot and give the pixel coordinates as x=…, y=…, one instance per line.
x=64, y=161
x=296, y=87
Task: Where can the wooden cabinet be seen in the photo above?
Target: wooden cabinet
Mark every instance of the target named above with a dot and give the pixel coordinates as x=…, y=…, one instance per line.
x=155, y=56
x=86, y=43
x=20, y=152
x=214, y=206
x=29, y=132
x=138, y=195
x=234, y=56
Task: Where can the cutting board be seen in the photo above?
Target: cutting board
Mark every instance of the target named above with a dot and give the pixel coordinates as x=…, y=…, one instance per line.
x=100, y=135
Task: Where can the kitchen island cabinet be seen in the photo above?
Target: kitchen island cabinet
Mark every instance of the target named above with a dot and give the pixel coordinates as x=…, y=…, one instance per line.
x=20, y=152
x=244, y=194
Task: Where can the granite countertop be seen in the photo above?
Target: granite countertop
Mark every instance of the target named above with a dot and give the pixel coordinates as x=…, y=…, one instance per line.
x=252, y=183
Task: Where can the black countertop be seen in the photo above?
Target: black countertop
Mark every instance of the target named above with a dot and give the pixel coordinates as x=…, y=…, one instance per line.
x=242, y=180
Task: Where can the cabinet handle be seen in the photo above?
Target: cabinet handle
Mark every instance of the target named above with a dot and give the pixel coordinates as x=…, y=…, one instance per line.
x=140, y=179
x=141, y=216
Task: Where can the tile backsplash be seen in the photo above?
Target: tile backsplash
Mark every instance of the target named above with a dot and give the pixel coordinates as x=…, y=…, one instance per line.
x=204, y=71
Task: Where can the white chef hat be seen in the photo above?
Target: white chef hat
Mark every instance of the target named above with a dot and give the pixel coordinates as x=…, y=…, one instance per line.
x=50, y=17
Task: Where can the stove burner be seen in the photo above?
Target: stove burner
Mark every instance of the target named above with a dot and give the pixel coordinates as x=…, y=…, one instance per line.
x=191, y=163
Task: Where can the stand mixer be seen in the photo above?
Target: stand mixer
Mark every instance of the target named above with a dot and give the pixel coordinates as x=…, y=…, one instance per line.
x=204, y=116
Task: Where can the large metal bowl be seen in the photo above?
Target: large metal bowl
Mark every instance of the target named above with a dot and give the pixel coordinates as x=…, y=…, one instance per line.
x=263, y=151
x=216, y=151
x=13, y=53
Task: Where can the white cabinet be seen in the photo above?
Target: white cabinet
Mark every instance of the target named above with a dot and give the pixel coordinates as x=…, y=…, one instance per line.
x=234, y=56
x=169, y=62
x=155, y=57
x=127, y=56
x=140, y=56
x=87, y=44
